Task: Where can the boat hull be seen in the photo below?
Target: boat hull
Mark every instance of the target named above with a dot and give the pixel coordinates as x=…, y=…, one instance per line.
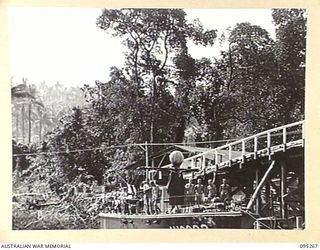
x=177, y=221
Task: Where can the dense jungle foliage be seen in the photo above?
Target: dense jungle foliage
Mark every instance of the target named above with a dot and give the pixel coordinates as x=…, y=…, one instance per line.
x=161, y=94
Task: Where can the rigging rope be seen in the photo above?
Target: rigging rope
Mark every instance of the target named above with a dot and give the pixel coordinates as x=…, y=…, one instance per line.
x=140, y=144
x=120, y=146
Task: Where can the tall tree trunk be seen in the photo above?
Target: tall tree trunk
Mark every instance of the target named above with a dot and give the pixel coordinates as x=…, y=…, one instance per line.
x=184, y=119
x=22, y=122
x=29, y=120
x=180, y=130
x=218, y=134
x=153, y=101
x=152, y=127
x=17, y=126
x=40, y=129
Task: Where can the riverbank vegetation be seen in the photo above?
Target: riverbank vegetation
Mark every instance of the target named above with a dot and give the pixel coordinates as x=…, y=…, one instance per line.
x=66, y=140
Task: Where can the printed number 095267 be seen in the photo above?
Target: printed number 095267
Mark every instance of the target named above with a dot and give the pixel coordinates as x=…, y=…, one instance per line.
x=308, y=246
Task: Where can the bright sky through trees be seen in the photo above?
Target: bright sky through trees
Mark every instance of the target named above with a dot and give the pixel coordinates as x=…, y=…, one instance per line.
x=65, y=45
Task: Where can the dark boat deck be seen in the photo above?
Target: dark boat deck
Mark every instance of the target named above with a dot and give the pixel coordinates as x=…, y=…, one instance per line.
x=203, y=220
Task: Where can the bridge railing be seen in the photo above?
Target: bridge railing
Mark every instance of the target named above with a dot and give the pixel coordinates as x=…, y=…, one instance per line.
x=262, y=144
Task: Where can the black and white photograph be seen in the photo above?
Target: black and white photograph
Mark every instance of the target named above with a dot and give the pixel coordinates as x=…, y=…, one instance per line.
x=158, y=118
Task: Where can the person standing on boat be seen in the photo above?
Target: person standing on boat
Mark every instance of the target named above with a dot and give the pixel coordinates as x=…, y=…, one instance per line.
x=210, y=191
x=189, y=193
x=123, y=201
x=224, y=190
x=199, y=191
x=147, y=196
x=155, y=194
x=175, y=184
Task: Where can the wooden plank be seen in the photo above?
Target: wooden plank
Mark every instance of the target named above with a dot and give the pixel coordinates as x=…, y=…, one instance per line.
x=257, y=198
x=283, y=190
x=203, y=162
x=243, y=145
x=269, y=144
x=258, y=188
x=216, y=157
x=255, y=147
x=284, y=137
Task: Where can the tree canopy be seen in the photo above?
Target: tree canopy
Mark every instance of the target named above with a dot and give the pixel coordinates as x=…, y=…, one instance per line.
x=161, y=94
x=161, y=91
x=157, y=63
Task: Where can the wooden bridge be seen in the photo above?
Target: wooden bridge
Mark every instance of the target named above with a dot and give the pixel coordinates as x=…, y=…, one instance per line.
x=268, y=167
x=264, y=144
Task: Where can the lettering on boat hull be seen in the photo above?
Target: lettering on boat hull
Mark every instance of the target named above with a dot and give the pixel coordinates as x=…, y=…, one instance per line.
x=202, y=226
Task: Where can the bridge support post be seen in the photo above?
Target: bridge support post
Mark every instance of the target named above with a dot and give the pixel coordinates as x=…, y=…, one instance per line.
x=283, y=189
x=267, y=195
x=271, y=202
x=259, y=186
x=257, y=208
